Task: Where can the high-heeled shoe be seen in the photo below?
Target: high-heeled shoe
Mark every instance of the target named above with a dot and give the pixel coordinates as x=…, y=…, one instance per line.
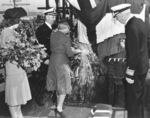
x=61, y=114
x=54, y=107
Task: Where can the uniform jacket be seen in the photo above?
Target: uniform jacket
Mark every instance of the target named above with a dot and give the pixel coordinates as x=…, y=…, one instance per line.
x=43, y=36
x=136, y=46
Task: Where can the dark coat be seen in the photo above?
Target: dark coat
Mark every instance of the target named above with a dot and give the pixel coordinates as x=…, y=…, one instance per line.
x=136, y=46
x=58, y=77
x=43, y=33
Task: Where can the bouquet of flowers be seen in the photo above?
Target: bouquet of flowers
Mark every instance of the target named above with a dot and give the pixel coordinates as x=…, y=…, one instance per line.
x=25, y=50
x=25, y=53
x=87, y=68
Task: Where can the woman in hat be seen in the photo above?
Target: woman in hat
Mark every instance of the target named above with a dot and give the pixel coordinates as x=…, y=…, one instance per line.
x=17, y=90
x=59, y=72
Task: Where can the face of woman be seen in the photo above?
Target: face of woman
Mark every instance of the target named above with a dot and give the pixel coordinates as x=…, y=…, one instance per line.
x=15, y=26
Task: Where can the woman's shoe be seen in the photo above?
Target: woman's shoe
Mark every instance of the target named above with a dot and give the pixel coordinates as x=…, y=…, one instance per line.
x=62, y=115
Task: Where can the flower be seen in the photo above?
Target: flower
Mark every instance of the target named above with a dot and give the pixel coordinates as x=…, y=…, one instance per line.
x=23, y=49
x=25, y=53
x=87, y=68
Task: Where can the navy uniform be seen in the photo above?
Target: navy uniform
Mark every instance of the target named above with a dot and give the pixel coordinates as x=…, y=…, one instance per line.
x=43, y=34
x=137, y=62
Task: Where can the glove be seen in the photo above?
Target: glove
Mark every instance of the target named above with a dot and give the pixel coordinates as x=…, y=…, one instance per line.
x=46, y=62
x=130, y=81
x=129, y=76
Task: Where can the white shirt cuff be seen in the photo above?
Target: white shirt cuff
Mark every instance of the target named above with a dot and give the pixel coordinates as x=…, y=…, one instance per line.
x=130, y=72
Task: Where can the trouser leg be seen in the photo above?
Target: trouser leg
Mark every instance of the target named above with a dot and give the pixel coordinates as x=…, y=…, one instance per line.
x=134, y=97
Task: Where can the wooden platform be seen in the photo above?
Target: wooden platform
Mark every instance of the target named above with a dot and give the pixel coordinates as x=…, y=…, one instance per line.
x=31, y=110
x=74, y=110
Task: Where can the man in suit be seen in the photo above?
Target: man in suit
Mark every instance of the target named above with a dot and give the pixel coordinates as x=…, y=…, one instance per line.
x=43, y=33
x=137, y=58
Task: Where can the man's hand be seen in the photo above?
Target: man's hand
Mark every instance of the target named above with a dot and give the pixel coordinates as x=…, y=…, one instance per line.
x=122, y=43
x=46, y=62
x=130, y=81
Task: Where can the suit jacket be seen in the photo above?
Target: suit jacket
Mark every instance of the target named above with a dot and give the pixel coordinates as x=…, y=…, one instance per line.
x=136, y=46
x=43, y=33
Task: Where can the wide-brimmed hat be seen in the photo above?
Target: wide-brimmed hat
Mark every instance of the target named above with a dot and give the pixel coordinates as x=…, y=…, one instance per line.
x=17, y=12
x=120, y=8
x=51, y=11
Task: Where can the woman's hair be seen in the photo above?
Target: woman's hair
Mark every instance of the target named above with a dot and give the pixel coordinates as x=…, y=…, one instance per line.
x=9, y=22
x=63, y=23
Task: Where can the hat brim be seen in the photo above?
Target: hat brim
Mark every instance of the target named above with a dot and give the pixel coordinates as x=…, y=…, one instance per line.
x=115, y=14
x=119, y=11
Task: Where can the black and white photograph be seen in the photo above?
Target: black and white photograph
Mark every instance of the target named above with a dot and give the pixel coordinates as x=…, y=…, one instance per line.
x=74, y=58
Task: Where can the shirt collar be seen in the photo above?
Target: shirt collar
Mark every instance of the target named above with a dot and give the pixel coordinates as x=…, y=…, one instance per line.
x=128, y=19
x=49, y=25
